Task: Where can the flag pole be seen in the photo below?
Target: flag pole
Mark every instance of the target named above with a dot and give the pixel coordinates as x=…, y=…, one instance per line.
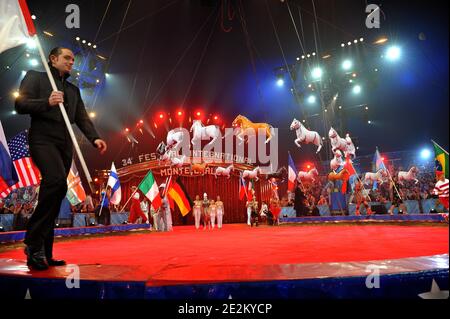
x=64, y=114
x=440, y=147
x=123, y=207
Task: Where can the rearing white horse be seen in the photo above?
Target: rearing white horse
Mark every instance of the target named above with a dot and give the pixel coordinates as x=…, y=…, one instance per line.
x=337, y=142
x=202, y=132
x=411, y=175
x=174, y=138
x=221, y=171
x=375, y=177
x=306, y=136
x=253, y=174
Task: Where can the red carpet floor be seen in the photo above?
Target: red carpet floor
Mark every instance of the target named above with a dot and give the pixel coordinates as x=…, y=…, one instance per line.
x=190, y=250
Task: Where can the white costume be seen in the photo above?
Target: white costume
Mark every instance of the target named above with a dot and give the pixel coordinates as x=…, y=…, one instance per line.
x=249, y=213
x=213, y=214
x=144, y=208
x=220, y=210
x=197, y=213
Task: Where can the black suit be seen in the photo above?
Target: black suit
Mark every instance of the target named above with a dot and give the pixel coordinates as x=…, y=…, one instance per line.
x=51, y=148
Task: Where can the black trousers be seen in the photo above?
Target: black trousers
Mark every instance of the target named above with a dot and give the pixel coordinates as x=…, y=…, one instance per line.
x=53, y=159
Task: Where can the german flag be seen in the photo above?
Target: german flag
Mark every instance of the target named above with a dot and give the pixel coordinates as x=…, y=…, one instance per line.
x=178, y=193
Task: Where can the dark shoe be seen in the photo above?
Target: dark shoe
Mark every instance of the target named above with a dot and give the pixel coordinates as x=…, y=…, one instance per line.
x=36, y=259
x=55, y=262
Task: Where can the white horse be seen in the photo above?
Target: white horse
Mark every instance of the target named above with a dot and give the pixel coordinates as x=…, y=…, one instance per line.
x=337, y=142
x=252, y=174
x=221, y=171
x=202, y=132
x=350, y=148
x=337, y=161
x=375, y=177
x=306, y=136
x=411, y=175
x=308, y=176
x=174, y=138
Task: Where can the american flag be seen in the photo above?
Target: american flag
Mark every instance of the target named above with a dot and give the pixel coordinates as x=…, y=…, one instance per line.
x=20, y=154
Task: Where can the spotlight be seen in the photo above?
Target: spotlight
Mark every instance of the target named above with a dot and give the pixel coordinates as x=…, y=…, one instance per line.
x=303, y=57
x=355, y=41
x=340, y=107
x=308, y=55
x=107, y=75
x=316, y=73
x=314, y=54
x=127, y=130
x=34, y=62
x=367, y=108
x=326, y=110
x=33, y=17
x=216, y=118
x=14, y=112
x=161, y=116
x=376, y=70
x=15, y=94
x=370, y=122
x=24, y=73
x=381, y=41
x=311, y=99
x=280, y=82
x=89, y=44
x=349, y=43
x=425, y=154
x=347, y=65
x=393, y=53
x=98, y=81
x=361, y=39
x=342, y=45
x=298, y=58
x=84, y=41
x=94, y=46
x=180, y=113
x=357, y=89
x=92, y=115
x=77, y=38
x=2, y=230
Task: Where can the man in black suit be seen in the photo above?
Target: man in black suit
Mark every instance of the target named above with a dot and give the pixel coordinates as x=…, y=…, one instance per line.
x=51, y=148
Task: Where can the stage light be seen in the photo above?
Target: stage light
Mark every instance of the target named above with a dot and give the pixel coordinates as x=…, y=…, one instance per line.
x=361, y=39
x=393, y=53
x=31, y=44
x=326, y=110
x=92, y=115
x=381, y=40
x=107, y=75
x=425, y=154
x=326, y=56
x=2, y=230
x=141, y=121
x=84, y=41
x=280, y=82
x=77, y=38
x=308, y=55
x=127, y=130
x=298, y=58
x=94, y=46
x=367, y=108
x=314, y=54
x=16, y=94
x=180, y=113
x=382, y=159
x=14, y=112
x=349, y=43
x=356, y=89
x=98, y=81
x=376, y=70
x=304, y=121
x=216, y=118
x=308, y=166
x=7, y=67
x=347, y=65
x=303, y=57
x=24, y=73
x=198, y=113
x=311, y=99
x=342, y=45
x=48, y=33
x=316, y=73
x=89, y=44
x=369, y=122
x=355, y=41
x=340, y=107
x=96, y=179
x=33, y=17
x=161, y=116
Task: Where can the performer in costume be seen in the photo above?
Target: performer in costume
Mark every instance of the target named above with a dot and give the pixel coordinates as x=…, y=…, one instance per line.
x=205, y=212
x=361, y=198
x=197, y=210
x=396, y=200
x=220, y=211
x=162, y=211
x=441, y=189
x=275, y=211
x=135, y=209
x=254, y=212
x=212, y=212
x=51, y=148
x=103, y=213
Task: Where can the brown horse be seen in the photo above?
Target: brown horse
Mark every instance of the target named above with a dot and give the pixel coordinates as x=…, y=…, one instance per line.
x=245, y=124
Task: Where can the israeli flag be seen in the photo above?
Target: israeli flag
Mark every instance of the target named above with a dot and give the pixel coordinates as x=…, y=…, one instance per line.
x=113, y=182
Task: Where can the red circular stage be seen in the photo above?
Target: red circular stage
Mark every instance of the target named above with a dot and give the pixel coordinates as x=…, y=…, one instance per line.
x=239, y=253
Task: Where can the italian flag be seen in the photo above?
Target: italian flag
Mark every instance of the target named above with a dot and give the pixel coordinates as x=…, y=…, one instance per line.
x=150, y=189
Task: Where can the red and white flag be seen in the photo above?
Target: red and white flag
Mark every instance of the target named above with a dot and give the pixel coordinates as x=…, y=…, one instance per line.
x=16, y=25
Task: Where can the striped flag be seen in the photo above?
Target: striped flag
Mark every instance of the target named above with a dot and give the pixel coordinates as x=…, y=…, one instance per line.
x=179, y=194
x=251, y=188
x=379, y=165
x=16, y=25
x=242, y=188
x=150, y=189
x=8, y=174
x=441, y=160
x=113, y=182
x=20, y=154
x=292, y=174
